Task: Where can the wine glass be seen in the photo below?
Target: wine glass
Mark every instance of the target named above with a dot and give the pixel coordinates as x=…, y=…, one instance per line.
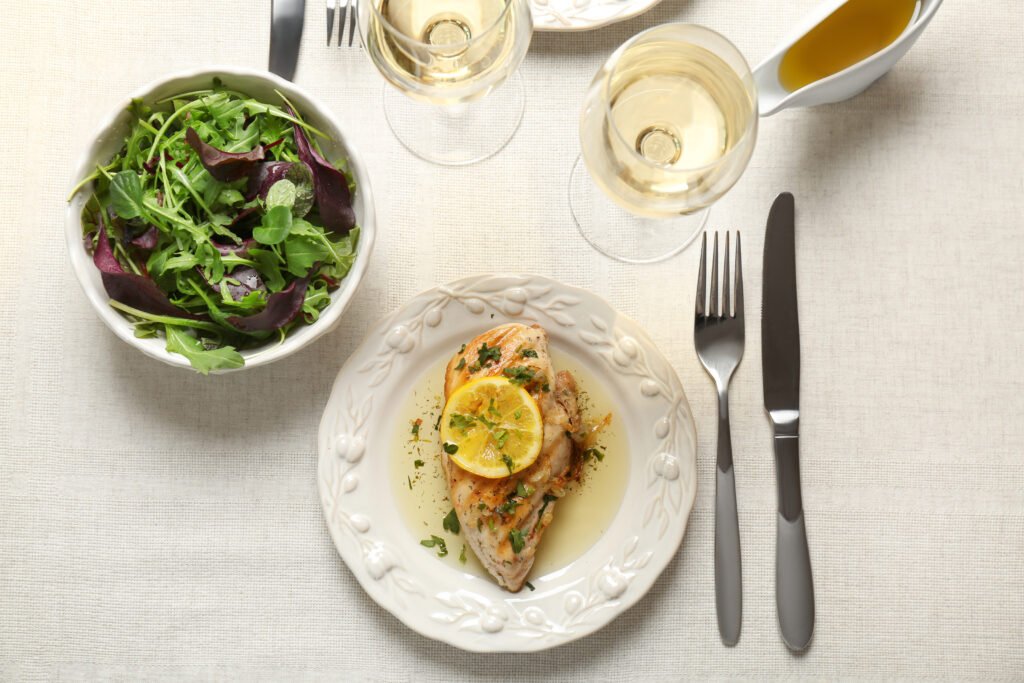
x=456, y=98
x=667, y=127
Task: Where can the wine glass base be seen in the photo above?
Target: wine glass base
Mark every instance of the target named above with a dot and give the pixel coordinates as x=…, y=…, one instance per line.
x=622, y=235
x=461, y=134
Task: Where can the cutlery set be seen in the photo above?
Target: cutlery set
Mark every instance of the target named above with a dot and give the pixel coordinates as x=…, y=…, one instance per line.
x=718, y=338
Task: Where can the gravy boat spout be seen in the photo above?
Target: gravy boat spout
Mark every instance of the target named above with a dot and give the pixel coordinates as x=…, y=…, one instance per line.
x=773, y=97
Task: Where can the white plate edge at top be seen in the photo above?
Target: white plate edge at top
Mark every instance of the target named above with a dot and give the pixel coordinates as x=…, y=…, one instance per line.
x=585, y=15
x=598, y=587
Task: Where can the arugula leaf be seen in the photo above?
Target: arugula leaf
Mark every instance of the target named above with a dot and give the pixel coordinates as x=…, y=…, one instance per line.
x=126, y=195
x=269, y=266
x=275, y=227
x=203, y=360
x=301, y=253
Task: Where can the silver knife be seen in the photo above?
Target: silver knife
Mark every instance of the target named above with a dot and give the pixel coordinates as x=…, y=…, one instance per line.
x=780, y=361
x=285, y=35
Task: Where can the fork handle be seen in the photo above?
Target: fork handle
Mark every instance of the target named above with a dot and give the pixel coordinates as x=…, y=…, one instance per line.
x=728, y=574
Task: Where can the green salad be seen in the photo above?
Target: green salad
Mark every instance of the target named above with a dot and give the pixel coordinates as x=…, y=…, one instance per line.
x=220, y=225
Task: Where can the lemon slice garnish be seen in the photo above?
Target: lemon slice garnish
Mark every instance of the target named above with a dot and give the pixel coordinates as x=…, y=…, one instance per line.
x=492, y=427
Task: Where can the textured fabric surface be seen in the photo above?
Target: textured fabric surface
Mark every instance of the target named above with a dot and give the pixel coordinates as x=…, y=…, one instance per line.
x=144, y=536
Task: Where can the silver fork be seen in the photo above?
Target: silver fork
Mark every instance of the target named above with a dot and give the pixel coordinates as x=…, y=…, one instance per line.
x=349, y=13
x=718, y=337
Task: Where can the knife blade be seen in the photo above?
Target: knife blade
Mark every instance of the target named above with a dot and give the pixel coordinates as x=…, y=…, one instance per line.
x=780, y=361
x=285, y=35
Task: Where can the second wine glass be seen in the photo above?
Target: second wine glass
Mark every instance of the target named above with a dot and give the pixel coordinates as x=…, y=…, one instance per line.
x=456, y=98
x=668, y=126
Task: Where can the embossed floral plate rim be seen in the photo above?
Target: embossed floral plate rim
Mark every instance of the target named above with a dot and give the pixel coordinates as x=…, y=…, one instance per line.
x=585, y=15
x=436, y=598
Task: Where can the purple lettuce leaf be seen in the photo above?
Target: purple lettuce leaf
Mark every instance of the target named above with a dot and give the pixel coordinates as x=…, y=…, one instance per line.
x=281, y=309
x=330, y=186
x=130, y=289
x=249, y=281
x=239, y=250
x=265, y=175
x=146, y=240
x=224, y=166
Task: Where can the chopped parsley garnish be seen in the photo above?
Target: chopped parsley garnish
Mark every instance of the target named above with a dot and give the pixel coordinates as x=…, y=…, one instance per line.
x=416, y=429
x=481, y=505
x=519, y=375
x=508, y=507
x=462, y=363
x=546, y=388
x=475, y=367
x=437, y=425
x=409, y=479
x=548, y=498
x=518, y=414
x=501, y=436
x=461, y=422
x=450, y=448
x=593, y=453
x=529, y=585
x=435, y=542
x=493, y=409
x=463, y=349
x=508, y=462
x=488, y=355
x=529, y=353
x=522, y=490
x=518, y=542
x=490, y=523
x=451, y=522
x=462, y=555
x=418, y=463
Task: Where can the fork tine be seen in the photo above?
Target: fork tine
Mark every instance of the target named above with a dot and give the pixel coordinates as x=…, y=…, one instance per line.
x=701, y=293
x=739, y=279
x=726, y=308
x=341, y=23
x=352, y=22
x=330, y=22
x=714, y=303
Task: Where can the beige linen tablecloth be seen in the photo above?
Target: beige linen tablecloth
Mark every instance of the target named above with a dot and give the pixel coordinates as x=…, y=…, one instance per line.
x=159, y=525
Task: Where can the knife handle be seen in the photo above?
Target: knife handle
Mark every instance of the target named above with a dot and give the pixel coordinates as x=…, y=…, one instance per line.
x=794, y=586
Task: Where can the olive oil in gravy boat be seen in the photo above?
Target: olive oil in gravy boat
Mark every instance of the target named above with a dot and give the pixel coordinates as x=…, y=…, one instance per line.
x=773, y=97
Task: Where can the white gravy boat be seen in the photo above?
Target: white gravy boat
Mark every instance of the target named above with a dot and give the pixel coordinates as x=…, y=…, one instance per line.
x=853, y=80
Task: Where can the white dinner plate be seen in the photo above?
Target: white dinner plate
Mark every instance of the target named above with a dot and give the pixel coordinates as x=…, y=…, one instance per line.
x=440, y=599
x=585, y=15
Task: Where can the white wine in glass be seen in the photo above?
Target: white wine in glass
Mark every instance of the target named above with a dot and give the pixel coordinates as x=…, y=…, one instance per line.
x=456, y=98
x=668, y=126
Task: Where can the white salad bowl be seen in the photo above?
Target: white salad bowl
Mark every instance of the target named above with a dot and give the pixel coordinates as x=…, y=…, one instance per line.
x=261, y=85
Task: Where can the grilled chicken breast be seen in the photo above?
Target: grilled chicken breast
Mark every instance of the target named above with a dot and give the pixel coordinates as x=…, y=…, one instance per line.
x=504, y=527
